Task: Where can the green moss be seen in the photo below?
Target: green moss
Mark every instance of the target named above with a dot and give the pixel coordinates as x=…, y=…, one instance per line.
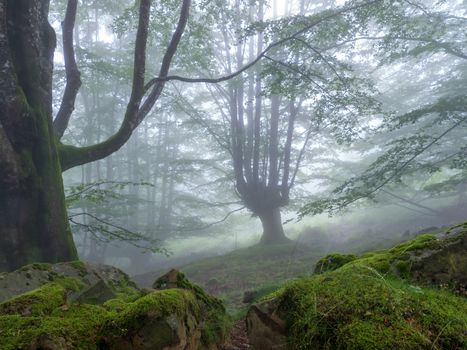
x=370, y=335
x=355, y=307
x=126, y=289
x=216, y=327
x=37, y=266
x=152, y=309
x=116, y=305
x=79, y=265
x=38, y=302
x=382, y=260
x=209, y=300
x=333, y=261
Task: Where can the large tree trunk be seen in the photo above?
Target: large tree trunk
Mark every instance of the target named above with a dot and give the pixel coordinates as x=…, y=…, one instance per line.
x=273, y=232
x=33, y=219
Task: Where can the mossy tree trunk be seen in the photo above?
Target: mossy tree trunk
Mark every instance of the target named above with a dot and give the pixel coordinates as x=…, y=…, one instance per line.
x=33, y=219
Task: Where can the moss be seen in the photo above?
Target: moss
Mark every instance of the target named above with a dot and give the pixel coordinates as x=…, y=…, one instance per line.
x=333, y=261
x=80, y=266
x=216, y=327
x=44, y=311
x=370, y=335
x=79, y=325
x=156, y=305
x=37, y=266
x=116, y=305
x=355, y=307
x=38, y=302
x=383, y=260
x=84, y=326
x=216, y=323
x=126, y=288
x=70, y=283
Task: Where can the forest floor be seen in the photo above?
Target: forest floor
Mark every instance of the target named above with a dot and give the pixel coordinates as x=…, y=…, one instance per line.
x=257, y=269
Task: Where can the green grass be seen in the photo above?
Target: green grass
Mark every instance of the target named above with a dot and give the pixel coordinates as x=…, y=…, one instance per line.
x=250, y=269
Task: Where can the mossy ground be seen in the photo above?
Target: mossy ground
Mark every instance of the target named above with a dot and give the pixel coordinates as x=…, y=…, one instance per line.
x=355, y=307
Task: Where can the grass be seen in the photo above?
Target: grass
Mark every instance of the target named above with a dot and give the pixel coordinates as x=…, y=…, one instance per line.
x=250, y=269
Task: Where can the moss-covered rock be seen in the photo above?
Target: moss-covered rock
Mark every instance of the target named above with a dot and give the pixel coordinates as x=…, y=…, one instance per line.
x=39, y=302
x=333, y=261
x=47, y=318
x=217, y=323
x=428, y=259
x=81, y=279
x=355, y=307
x=371, y=303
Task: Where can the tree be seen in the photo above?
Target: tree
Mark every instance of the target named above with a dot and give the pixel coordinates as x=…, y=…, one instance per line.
x=273, y=117
x=33, y=219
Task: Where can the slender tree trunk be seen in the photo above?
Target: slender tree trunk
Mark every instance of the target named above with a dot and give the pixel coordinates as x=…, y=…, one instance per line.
x=273, y=232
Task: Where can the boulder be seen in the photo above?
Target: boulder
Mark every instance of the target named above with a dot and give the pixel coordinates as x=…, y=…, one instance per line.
x=357, y=308
x=372, y=302
x=83, y=280
x=444, y=265
x=266, y=326
x=97, y=293
x=89, y=307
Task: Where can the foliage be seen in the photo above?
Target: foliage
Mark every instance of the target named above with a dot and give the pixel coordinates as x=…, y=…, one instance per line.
x=105, y=193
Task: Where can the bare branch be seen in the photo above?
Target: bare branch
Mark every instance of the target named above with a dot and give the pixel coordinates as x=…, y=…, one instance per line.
x=73, y=76
x=262, y=54
x=166, y=62
x=71, y=156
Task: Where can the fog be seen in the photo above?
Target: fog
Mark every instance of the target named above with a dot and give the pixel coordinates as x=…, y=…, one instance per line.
x=174, y=187
x=233, y=174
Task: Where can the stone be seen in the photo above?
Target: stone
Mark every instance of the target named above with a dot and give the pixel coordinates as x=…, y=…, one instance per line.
x=88, y=278
x=266, y=328
x=97, y=293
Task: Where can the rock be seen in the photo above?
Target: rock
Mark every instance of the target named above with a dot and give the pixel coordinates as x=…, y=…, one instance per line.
x=47, y=342
x=436, y=260
x=74, y=312
x=39, y=302
x=167, y=281
x=165, y=320
x=360, y=306
x=333, y=261
x=443, y=266
x=356, y=308
x=97, y=293
x=78, y=277
x=266, y=326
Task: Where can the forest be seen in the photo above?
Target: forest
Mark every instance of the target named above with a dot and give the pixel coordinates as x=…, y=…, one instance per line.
x=233, y=174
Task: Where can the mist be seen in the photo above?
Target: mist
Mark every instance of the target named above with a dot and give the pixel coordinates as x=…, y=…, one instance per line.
x=254, y=148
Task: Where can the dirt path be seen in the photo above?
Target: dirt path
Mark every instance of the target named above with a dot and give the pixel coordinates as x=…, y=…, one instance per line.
x=238, y=339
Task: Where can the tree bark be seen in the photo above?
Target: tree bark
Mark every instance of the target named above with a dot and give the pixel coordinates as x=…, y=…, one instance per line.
x=273, y=232
x=33, y=219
